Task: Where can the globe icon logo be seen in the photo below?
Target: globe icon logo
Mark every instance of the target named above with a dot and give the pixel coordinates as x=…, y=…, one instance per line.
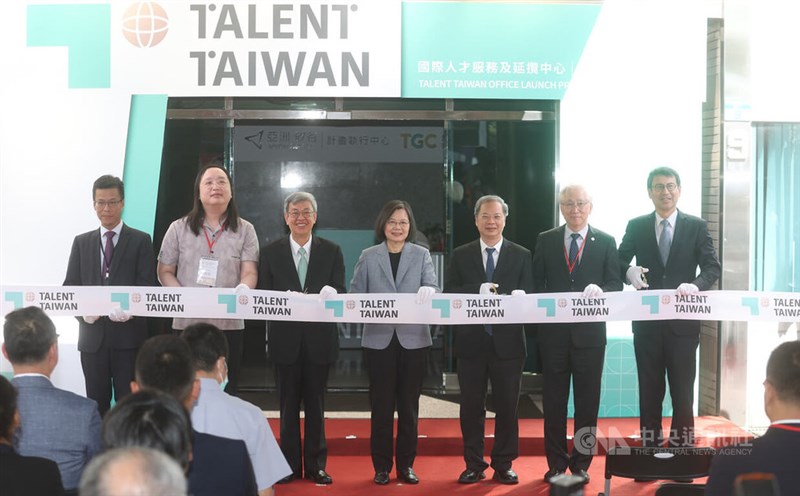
x=145, y=24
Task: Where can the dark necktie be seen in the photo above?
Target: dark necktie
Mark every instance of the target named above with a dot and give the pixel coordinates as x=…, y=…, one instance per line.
x=108, y=252
x=573, y=251
x=489, y=275
x=664, y=241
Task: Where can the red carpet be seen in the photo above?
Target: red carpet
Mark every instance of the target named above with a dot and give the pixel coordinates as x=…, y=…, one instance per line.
x=439, y=459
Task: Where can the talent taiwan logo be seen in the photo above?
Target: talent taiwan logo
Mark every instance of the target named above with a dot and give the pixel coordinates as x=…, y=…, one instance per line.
x=145, y=24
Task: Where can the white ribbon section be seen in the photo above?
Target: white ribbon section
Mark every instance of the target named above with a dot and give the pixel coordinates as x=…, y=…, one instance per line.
x=392, y=308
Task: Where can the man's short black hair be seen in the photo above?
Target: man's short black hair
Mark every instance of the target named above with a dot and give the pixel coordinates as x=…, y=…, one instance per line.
x=783, y=371
x=29, y=334
x=207, y=344
x=164, y=363
x=663, y=171
x=150, y=419
x=8, y=407
x=107, y=182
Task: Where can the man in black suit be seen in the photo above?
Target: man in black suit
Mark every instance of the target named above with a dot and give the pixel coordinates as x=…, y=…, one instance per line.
x=669, y=246
x=493, y=353
x=302, y=351
x=113, y=255
x=575, y=257
x=776, y=451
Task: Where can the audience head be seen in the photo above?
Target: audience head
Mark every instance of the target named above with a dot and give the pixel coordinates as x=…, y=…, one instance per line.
x=150, y=419
x=164, y=363
x=782, y=386
x=133, y=471
x=209, y=349
x=9, y=417
x=30, y=340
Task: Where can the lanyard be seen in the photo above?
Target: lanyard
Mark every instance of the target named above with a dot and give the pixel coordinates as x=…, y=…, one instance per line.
x=212, y=243
x=571, y=266
x=785, y=427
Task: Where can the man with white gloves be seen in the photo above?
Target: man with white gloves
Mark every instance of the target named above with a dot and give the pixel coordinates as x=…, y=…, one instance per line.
x=669, y=247
x=113, y=255
x=574, y=257
x=302, y=352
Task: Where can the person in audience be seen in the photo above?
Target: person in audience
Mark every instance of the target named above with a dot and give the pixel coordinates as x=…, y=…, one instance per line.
x=216, y=412
x=395, y=354
x=55, y=424
x=150, y=419
x=22, y=475
x=133, y=471
x=212, y=247
x=776, y=451
x=219, y=465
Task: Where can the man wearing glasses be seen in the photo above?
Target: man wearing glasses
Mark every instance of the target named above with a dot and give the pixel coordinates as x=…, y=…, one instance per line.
x=669, y=246
x=113, y=255
x=302, y=352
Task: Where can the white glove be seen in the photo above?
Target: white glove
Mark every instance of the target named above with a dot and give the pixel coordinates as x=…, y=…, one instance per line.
x=636, y=277
x=592, y=290
x=119, y=315
x=488, y=288
x=424, y=295
x=90, y=319
x=326, y=292
x=242, y=287
x=687, y=288
x=518, y=292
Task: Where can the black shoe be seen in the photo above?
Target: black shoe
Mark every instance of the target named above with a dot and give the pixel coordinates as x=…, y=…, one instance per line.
x=471, y=476
x=552, y=473
x=319, y=476
x=506, y=476
x=408, y=476
x=583, y=474
x=289, y=478
x=381, y=478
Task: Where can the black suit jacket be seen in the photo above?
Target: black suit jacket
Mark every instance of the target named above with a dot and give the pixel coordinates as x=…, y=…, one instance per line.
x=134, y=264
x=598, y=265
x=466, y=273
x=28, y=475
x=277, y=272
x=692, y=247
x=220, y=466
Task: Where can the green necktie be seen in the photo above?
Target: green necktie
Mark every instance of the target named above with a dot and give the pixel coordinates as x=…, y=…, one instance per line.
x=302, y=267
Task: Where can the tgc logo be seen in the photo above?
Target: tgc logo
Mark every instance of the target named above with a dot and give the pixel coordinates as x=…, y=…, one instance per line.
x=419, y=141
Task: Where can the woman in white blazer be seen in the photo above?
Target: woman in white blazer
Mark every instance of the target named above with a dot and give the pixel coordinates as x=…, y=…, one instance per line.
x=395, y=354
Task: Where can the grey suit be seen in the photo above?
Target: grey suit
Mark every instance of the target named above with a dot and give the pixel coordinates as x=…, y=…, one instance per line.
x=395, y=355
x=58, y=425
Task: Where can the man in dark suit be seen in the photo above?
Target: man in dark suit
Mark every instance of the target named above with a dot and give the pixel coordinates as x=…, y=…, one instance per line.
x=302, y=351
x=669, y=246
x=493, y=353
x=113, y=255
x=54, y=424
x=575, y=257
x=776, y=451
x=219, y=465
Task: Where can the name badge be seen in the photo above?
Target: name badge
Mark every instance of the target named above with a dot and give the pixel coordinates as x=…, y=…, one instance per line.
x=207, y=271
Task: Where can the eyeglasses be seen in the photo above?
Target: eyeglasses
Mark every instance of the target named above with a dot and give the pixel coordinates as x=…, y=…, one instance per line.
x=487, y=217
x=395, y=223
x=306, y=214
x=571, y=204
x=661, y=187
x=101, y=204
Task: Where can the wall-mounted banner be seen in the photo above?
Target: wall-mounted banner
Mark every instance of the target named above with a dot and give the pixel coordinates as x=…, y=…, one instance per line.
x=401, y=308
x=391, y=144
x=532, y=51
x=206, y=48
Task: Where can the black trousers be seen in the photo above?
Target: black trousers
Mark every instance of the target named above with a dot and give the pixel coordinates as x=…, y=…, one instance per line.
x=108, y=370
x=563, y=363
x=395, y=381
x=474, y=374
x=303, y=382
x=660, y=351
